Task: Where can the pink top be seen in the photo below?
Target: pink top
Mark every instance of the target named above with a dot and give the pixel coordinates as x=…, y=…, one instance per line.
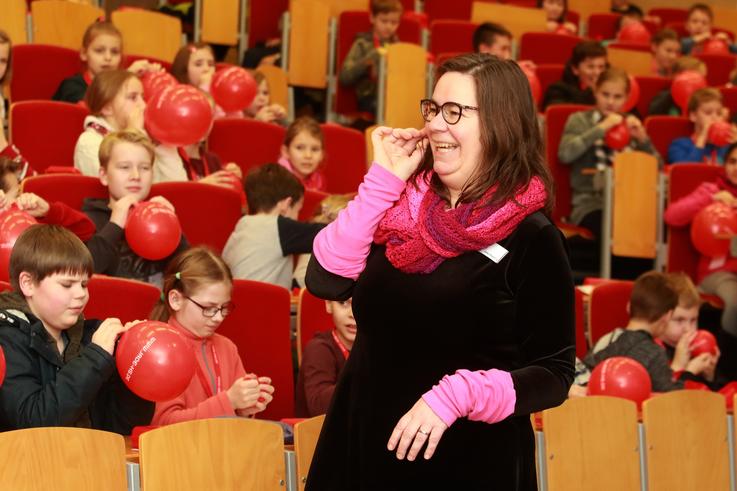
x=196, y=402
x=315, y=181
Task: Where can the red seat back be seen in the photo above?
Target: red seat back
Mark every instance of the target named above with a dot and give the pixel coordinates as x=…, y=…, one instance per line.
x=548, y=74
x=555, y=121
x=259, y=327
x=729, y=98
x=208, y=214
x=70, y=189
x=684, y=178
x=668, y=15
x=608, y=308
x=312, y=200
x=38, y=69
x=649, y=88
x=547, y=47
x=344, y=164
x=247, y=142
x=126, y=299
x=664, y=129
x=444, y=9
x=46, y=132
x=264, y=18
x=603, y=26
x=718, y=68
x=582, y=346
x=311, y=319
x=451, y=36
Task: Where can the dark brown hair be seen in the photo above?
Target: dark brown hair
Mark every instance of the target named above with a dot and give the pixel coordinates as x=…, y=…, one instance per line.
x=304, y=123
x=511, y=143
x=652, y=297
x=5, y=39
x=43, y=250
x=104, y=87
x=268, y=184
x=663, y=35
x=701, y=7
x=583, y=50
x=180, y=65
x=189, y=271
x=385, y=6
x=486, y=34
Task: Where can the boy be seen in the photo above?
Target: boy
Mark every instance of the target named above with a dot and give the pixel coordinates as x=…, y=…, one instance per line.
x=651, y=307
x=126, y=169
x=60, y=367
x=666, y=49
x=704, y=108
x=362, y=61
x=261, y=246
x=493, y=39
x=323, y=360
x=698, y=25
x=663, y=103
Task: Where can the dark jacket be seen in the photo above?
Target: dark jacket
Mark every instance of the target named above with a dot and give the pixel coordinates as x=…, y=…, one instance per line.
x=567, y=92
x=322, y=362
x=112, y=254
x=79, y=388
x=71, y=89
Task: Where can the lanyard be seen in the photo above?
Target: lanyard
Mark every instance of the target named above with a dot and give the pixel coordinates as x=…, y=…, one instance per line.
x=99, y=128
x=188, y=163
x=87, y=76
x=340, y=344
x=204, y=379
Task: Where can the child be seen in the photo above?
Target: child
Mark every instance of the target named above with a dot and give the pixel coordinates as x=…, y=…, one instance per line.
x=666, y=49
x=651, y=306
x=582, y=145
x=195, y=301
x=588, y=61
x=555, y=12
x=126, y=169
x=261, y=109
x=716, y=276
x=60, y=367
x=302, y=152
x=362, y=61
x=6, y=51
x=102, y=50
x=261, y=246
x=623, y=7
x=493, y=39
x=323, y=360
x=663, y=103
x=704, y=108
x=698, y=25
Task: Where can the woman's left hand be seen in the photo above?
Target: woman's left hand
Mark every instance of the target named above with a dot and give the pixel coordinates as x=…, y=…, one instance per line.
x=418, y=426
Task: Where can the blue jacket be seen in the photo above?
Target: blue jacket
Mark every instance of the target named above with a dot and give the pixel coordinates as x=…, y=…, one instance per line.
x=685, y=150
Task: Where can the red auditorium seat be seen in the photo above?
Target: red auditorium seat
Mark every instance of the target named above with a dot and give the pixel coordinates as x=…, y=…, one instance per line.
x=664, y=129
x=107, y=292
x=683, y=179
x=311, y=319
x=264, y=19
x=549, y=74
x=5, y=286
x=70, y=189
x=718, y=68
x=668, y=15
x=451, y=36
x=547, y=47
x=38, y=69
x=312, y=201
x=729, y=98
x=445, y=9
x=208, y=213
x=608, y=308
x=603, y=26
x=247, y=142
x=344, y=164
x=46, y=131
x=260, y=328
x=582, y=346
x=649, y=88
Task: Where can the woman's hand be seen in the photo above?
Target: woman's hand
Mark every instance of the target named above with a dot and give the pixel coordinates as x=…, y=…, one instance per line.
x=399, y=150
x=418, y=426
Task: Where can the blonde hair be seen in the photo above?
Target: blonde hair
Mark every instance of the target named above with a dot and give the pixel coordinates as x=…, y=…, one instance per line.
x=134, y=137
x=688, y=295
x=188, y=272
x=330, y=207
x=702, y=96
x=104, y=87
x=97, y=28
x=688, y=63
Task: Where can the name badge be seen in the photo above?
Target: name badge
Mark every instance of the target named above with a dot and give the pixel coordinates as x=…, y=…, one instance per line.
x=495, y=252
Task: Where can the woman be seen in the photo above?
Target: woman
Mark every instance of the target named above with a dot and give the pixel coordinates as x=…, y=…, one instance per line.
x=587, y=62
x=460, y=338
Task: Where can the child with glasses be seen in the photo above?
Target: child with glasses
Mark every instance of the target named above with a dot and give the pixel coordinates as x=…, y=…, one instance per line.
x=195, y=300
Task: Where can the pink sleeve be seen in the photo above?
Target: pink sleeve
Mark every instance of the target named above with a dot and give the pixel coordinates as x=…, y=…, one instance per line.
x=342, y=246
x=681, y=212
x=483, y=395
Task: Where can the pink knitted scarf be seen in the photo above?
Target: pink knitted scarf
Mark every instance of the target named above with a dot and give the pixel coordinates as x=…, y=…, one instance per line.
x=420, y=232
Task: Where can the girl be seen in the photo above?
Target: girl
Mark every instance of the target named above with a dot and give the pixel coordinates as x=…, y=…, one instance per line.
x=260, y=108
x=588, y=60
x=302, y=152
x=102, y=50
x=583, y=147
x=195, y=300
x=716, y=276
x=556, y=11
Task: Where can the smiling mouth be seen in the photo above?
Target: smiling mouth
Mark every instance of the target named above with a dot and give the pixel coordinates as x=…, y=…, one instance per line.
x=445, y=147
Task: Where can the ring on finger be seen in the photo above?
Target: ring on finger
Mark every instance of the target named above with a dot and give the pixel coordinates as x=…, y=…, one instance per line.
x=423, y=432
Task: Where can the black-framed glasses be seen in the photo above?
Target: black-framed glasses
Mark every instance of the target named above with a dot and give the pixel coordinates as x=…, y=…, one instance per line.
x=451, y=111
x=224, y=309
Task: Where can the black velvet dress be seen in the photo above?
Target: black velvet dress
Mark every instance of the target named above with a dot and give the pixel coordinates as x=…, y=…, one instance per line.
x=413, y=329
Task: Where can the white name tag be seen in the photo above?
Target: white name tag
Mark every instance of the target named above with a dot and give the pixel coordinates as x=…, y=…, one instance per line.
x=495, y=252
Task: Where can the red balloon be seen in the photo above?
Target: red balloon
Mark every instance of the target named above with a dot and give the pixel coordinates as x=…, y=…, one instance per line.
x=712, y=228
x=617, y=137
x=694, y=385
x=152, y=230
x=634, y=33
x=562, y=29
x=3, y=367
x=155, y=82
x=233, y=88
x=155, y=361
x=703, y=342
x=620, y=376
x=535, y=87
x=179, y=115
x=633, y=97
x=720, y=133
x=715, y=46
x=729, y=391
x=13, y=222
x=684, y=84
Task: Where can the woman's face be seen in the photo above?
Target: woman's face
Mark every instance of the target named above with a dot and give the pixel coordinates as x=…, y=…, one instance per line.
x=610, y=96
x=553, y=9
x=201, y=62
x=589, y=70
x=456, y=149
x=730, y=167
